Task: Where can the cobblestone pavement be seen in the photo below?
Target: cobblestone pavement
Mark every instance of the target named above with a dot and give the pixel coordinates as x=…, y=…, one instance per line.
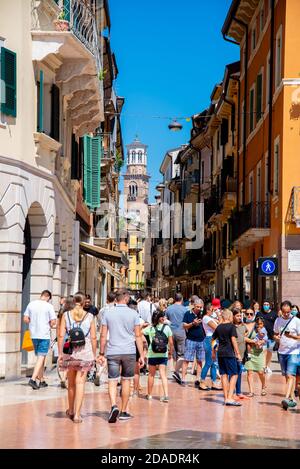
x=192, y=419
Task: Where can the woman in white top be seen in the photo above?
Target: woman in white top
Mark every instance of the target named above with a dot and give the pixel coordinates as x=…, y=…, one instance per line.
x=209, y=323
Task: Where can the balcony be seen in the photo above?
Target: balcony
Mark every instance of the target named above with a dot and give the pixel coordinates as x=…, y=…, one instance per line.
x=228, y=202
x=73, y=53
x=251, y=224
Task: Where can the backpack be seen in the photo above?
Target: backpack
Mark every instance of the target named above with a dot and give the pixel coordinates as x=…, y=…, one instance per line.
x=160, y=341
x=76, y=336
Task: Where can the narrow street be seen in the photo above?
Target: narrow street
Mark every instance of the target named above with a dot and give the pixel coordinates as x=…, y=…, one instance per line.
x=192, y=419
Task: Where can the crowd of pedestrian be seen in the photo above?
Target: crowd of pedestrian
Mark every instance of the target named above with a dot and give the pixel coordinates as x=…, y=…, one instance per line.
x=142, y=334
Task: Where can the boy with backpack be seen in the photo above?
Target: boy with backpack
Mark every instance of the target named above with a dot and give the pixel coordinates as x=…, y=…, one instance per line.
x=159, y=351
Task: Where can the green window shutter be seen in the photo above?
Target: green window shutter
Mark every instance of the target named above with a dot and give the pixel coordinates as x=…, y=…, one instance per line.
x=40, y=103
x=251, y=110
x=67, y=9
x=87, y=183
x=92, y=171
x=96, y=170
x=258, y=98
x=9, y=78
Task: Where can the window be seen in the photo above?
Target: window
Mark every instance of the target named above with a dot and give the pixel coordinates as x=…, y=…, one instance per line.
x=253, y=39
x=276, y=166
x=268, y=67
x=259, y=90
x=40, y=102
x=251, y=119
x=133, y=190
x=262, y=20
x=133, y=157
x=55, y=112
x=241, y=194
x=242, y=130
x=258, y=183
x=140, y=156
x=8, y=80
x=278, y=59
x=251, y=191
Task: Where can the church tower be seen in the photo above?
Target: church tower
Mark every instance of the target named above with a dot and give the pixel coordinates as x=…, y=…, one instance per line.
x=136, y=190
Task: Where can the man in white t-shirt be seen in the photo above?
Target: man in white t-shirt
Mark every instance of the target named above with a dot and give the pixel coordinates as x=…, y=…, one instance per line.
x=287, y=332
x=145, y=307
x=40, y=316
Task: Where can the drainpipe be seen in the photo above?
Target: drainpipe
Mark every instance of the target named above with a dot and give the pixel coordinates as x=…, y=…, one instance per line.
x=245, y=26
x=271, y=93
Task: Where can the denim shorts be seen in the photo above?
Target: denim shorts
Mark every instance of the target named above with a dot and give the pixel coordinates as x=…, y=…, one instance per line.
x=290, y=364
x=121, y=365
x=194, y=349
x=157, y=361
x=41, y=347
x=269, y=345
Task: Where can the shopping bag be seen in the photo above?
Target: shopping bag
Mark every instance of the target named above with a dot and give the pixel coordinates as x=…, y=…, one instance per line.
x=27, y=342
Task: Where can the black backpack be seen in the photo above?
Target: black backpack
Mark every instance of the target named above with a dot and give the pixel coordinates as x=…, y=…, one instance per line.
x=76, y=336
x=160, y=341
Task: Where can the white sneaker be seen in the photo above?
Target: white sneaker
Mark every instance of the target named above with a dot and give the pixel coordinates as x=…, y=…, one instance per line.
x=268, y=370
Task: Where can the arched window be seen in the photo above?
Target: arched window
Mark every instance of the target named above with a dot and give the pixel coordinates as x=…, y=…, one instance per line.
x=133, y=157
x=140, y=156
x=133, y=190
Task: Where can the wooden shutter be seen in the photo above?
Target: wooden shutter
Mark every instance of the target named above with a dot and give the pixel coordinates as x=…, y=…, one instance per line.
x=67, y=9
x=258, y=97
x=55, y=112
x=9, y=78
x=96, y=170
x=251, y=110
x=92, y=166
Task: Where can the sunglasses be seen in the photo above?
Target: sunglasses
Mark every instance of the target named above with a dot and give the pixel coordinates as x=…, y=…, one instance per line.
x=249, y=314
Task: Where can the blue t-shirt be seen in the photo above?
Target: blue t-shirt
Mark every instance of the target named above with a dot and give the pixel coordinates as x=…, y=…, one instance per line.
x=175, y=314
x=195, y=333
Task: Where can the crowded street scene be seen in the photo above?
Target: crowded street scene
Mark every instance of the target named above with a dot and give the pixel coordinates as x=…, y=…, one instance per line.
x=149, y=227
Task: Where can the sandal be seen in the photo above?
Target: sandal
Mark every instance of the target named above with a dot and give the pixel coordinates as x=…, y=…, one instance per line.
x=79, y=420
x=233, y=403
x=70, y=416
x=251, y=394
x=263, y=392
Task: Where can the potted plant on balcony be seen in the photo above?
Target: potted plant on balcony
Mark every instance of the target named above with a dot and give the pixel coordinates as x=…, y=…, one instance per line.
x=61, y=24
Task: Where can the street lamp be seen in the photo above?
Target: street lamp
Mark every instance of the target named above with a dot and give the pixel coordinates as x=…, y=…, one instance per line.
x=175, y=126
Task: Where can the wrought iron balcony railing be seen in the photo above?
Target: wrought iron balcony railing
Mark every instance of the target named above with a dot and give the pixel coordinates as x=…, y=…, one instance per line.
x=255, y=215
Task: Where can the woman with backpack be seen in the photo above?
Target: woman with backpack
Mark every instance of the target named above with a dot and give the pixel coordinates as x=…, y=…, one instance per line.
x=77, y=354
x=159, y=350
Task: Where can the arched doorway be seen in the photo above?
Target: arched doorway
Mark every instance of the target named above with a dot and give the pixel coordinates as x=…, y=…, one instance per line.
x=37, y=273
x=26, y=275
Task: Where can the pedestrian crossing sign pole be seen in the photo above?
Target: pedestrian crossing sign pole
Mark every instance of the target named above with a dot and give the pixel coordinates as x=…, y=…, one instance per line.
x=268, y=266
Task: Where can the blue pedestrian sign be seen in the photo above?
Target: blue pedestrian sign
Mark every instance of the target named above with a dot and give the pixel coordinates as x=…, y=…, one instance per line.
x=268, y=266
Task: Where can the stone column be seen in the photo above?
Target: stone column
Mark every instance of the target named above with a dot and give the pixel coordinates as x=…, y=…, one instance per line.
x=11, y=261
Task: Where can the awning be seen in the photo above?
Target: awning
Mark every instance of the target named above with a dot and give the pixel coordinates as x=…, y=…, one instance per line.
x=111, y=270
x=102, y=253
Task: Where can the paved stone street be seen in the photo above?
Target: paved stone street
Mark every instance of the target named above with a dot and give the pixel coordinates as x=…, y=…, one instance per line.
x=192, y=419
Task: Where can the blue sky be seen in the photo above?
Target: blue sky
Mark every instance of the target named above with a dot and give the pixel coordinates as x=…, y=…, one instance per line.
x=170, y=54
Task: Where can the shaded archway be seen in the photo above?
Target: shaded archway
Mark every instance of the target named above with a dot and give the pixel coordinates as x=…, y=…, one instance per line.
x=37, y=263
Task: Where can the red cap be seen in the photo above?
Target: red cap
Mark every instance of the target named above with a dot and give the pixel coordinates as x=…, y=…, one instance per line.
x=216, y=302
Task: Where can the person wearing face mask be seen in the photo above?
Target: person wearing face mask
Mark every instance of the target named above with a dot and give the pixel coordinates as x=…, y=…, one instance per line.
x=295, y=311
x=269, y=318
x=287, y=334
